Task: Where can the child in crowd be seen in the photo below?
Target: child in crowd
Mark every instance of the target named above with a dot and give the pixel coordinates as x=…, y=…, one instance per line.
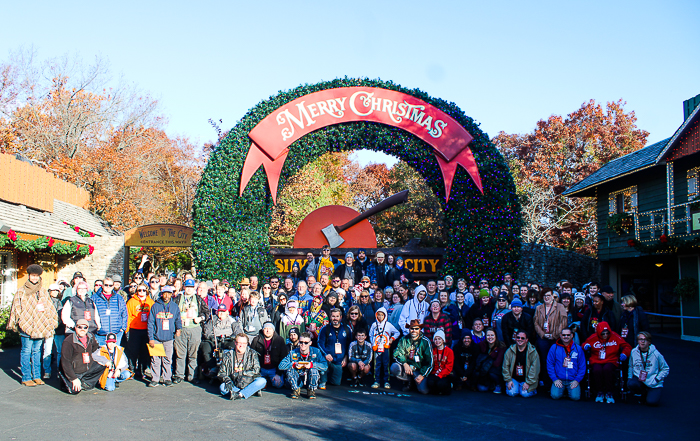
x=359, y=357
x=382, y=335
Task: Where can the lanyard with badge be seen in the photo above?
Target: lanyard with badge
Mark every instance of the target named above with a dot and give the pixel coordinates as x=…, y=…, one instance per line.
x=144, y=315
x=39, y=304
x=643, y=373
x=546, y=317
x=568, y=364
x=338, y=346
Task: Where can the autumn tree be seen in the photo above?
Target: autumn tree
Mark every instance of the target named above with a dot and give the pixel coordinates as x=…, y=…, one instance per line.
x=558, y=153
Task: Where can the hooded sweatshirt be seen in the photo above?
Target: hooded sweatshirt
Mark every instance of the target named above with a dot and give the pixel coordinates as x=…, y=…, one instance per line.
x=382, y=333
x=606, y=351
x=413, y=309
x=652, y=362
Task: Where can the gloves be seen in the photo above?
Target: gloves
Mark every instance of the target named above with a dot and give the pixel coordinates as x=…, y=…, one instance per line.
x=294, y=365
x=623, y=357
x=311, y=364
x=586, y=347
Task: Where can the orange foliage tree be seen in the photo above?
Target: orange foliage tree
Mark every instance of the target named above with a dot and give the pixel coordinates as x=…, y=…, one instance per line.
x=558, y=153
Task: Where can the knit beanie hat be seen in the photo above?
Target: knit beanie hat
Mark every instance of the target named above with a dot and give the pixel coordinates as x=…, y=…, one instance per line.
x=439, y=333
x=516, y=302
x=483, y=292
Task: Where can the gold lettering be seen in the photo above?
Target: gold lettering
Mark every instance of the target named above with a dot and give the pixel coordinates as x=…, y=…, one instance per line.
x=433, y=264
x=280, y=265
x=406, y=264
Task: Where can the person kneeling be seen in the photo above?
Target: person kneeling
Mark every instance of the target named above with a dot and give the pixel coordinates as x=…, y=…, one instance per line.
x=414, y=358
x=79, y=371
x=440, y=380
x=116, y=364
x=521, y=367
x=647, y=370
x=304, y=366
x=240, y=371
x=566, y=366
x=359, y=357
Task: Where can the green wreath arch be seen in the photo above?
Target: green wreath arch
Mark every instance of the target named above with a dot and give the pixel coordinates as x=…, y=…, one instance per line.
x=230, y=237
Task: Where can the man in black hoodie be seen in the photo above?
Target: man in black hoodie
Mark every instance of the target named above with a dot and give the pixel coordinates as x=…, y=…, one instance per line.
x=271, y=349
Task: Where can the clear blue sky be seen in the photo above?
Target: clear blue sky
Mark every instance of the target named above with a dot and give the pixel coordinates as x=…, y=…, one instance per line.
x=507, y=64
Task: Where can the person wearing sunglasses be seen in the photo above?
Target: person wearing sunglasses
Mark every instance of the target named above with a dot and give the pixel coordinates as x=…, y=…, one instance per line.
x=79, y=371
x=414, y=358
x=333, y=341
x=647, y=371
x=138, y=309
x=112, y=310
x=521, y=367
x=80, y=306
x=566, y=366
x=34, y=317
x=304, y=366
x=607, y=350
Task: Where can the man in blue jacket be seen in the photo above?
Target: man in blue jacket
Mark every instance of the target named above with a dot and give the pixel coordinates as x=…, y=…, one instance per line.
x=333, y=341
x=566, y=366
x=164, y=325
x=112, y=309
x=304, y=366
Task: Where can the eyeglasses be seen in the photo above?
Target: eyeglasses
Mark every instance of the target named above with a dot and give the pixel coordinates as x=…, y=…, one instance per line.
x=141, y=290
x=81, y=327
x=304, y=342
x=353, y=313
x=336, y=280
x=521, y=338
x=641, y=339
x=414, y=329
x=108, y=284
x=364, y=297
x=566, y=335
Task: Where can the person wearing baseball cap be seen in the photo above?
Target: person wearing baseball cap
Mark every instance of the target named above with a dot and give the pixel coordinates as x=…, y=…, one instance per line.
x=116, y=366
x=79, y=371
x=349, y=270
x=219, y=333
x=164, y=324
x=414, y=358
x=378, y=270
x=498, y=313
x=194, y=312
x=34, y=317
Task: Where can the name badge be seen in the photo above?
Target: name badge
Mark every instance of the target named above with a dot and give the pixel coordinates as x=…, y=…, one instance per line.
x=268, y=359
x=40, y=307
x=87, y=315
x=108, y=311
x=602, y=354
x=642, y=376
x=86, y=358
x=338, y=348
x=251, y=328
x=416, y=359
x=166, y=325
x=485, y=321
x=519, y=371
x=624, y=332
x=568, y=364
x=144, y=317
x=546, y=326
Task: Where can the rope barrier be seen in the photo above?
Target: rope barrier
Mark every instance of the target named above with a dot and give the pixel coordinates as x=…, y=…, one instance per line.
x=673, y=316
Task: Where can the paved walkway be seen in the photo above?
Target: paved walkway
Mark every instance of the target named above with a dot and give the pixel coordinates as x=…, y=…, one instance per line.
x=189, y=412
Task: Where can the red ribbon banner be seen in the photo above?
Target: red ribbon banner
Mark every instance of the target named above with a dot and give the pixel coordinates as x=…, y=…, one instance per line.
x=272, y=137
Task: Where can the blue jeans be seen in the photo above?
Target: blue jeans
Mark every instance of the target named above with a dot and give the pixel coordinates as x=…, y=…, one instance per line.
x=247, y=391
x=111, y=383
x=58, y=343
x=517, y=389
x=102, y=339
x=30, y=357
x=298, y=378
x=46, y=357
x=574, y=394
x=272, y=378
x=334, y=375
x=397, y=371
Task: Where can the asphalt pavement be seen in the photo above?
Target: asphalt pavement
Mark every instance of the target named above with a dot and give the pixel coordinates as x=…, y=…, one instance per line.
x=187, y=411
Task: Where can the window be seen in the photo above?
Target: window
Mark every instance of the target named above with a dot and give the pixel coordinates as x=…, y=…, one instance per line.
x=623, y=201
x=693, y=183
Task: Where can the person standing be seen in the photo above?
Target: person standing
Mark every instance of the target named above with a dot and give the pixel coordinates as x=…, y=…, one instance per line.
x=164, y=324
x=112, y=312
x=138, y=309
x=193, y=312
x=59, y=333
x=80, y=306
x=34, y=317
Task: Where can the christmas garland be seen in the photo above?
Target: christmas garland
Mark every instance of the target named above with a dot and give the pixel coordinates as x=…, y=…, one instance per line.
x=230, y=237
x=45, y=244
x=80, y=231
x=666, y=244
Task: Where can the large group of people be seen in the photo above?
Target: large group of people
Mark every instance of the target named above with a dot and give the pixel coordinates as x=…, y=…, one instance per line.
x=357, y=320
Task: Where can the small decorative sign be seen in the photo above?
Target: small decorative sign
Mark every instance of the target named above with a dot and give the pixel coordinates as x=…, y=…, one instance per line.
x=159, y=235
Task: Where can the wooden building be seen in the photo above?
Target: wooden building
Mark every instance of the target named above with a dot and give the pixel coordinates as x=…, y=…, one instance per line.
x=648, y=220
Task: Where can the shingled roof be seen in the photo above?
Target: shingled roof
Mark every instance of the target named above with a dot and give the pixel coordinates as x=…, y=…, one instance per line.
x=624, y=165
x=82, y=218
x=41, y=223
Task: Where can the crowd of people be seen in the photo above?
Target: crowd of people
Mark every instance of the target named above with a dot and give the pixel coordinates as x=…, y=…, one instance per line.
x=356, y=319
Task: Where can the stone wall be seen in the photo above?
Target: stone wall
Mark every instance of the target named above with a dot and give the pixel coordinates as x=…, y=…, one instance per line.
x=548, y=265
x=106, y=260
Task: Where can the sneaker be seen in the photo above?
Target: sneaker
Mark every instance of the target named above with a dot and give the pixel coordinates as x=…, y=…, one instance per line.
x=375, y=385
x=176, y=380
x=29, y=383
x=296, y=393
x=497, y=389
x=609, y=399
x=387, y=385
x=39, y=382
x=322, y=387
x=153, y=384
x=258, y=393
x=599, y=398
x=168, y=383
x=47, y=376
x=312, y=394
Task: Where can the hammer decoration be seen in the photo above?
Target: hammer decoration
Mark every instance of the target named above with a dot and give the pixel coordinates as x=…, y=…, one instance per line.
x=332, y=232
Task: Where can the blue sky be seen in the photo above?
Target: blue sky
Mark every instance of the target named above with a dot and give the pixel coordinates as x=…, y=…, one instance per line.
x=507, y=64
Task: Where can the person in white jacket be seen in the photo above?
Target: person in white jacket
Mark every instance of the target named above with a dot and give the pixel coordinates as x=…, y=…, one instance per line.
x=647, y=370
x=381, y=335
x=415, y=309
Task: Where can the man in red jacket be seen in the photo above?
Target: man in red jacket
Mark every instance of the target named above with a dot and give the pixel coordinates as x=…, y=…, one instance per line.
x=607, y=349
